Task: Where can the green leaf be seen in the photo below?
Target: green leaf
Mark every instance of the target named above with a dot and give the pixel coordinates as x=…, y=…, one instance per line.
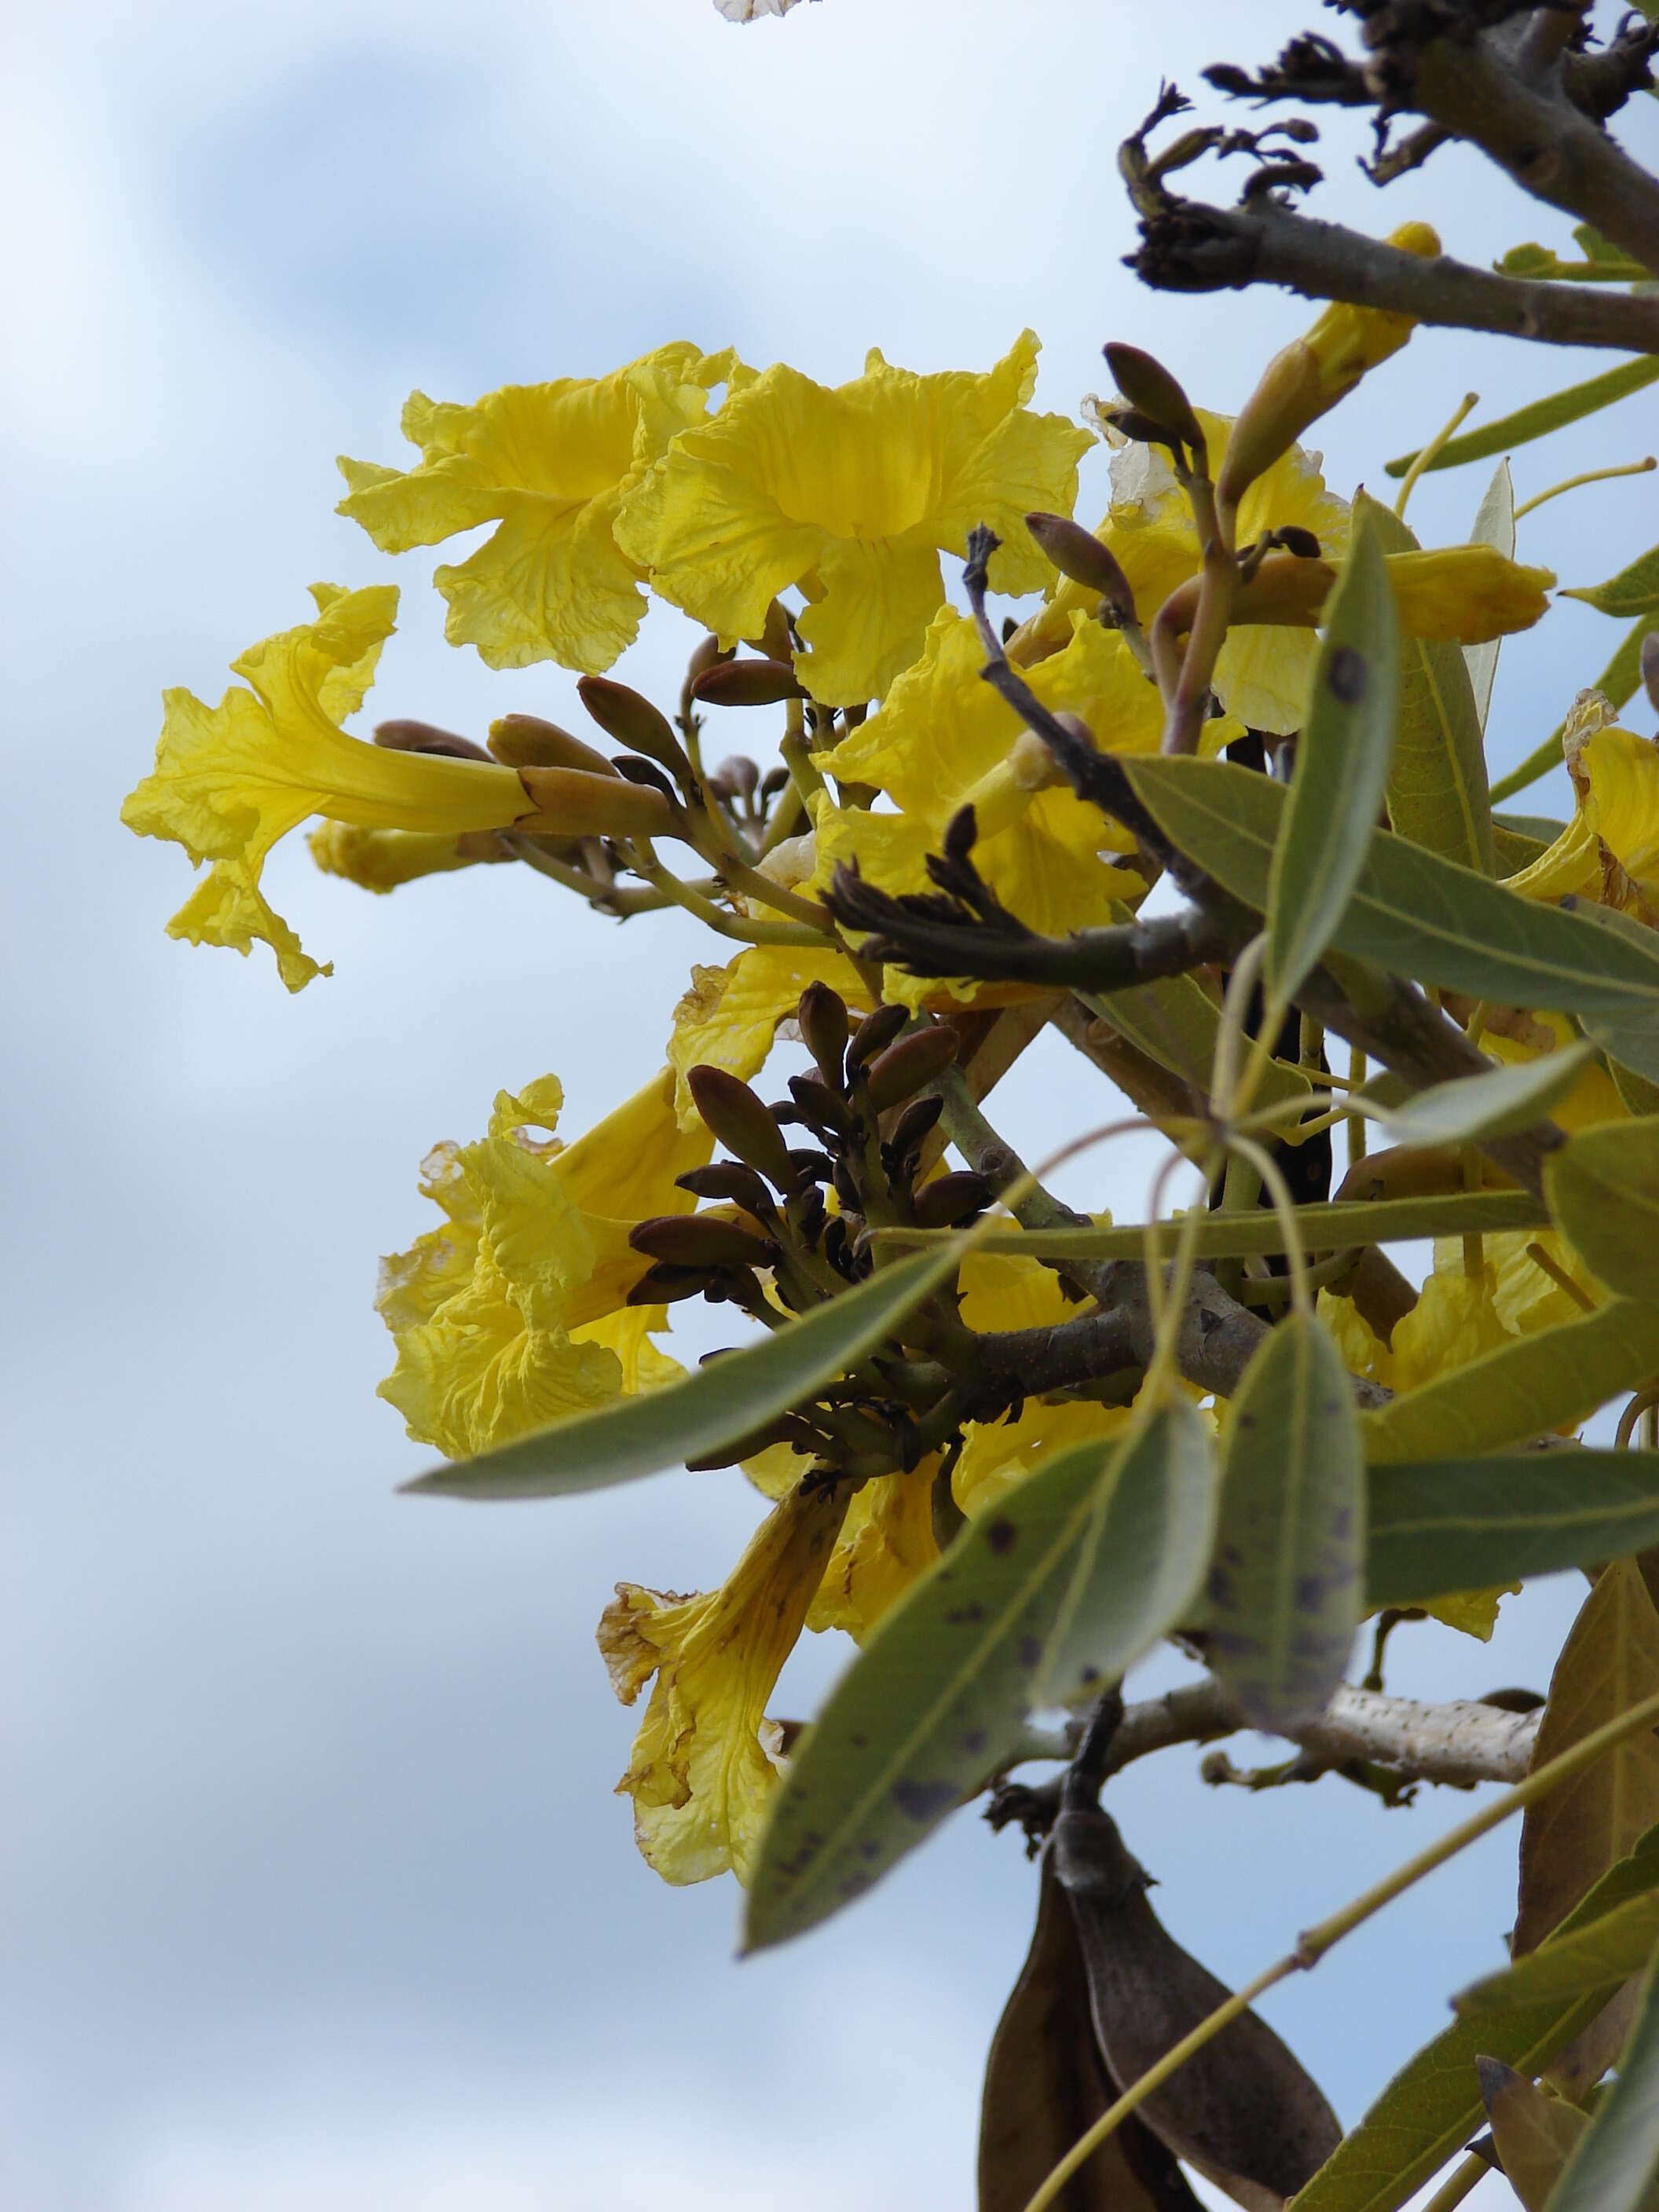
x=1065, y=1582
x=1604, y=1189
x=1283, y=1594
x=1437, y=784
x=1617, y=682
x=1462, y=1524
x=1542, y=416
x=1539, y=830
x=1510, y=1097
x=1633, y=590
x=1524, y=1389
x=1598, y=1957
x=1411, y=911
x=739, y=1391
x=1432, y=2106
x=1342, y=761
x=1494, y=525
x=1616, y=2163
x=1535, y=2135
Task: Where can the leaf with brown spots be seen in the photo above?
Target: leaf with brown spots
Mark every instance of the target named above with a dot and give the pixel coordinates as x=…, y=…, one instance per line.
x=1570, y=1838
x=1064, y=1585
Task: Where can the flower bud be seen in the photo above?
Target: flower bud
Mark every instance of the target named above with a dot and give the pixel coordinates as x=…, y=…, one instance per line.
x=665, y=1286
x=1079, y=553
x=951, y=1200
x=913, y=1126
x=821, y=1015
x=747, y=683
x=741, y=1122
x=622, y=714
x=700, y=1240
x=774, y=643
x=570, y=802
x=904, y=1067
x=729, y=1180
x=404, y=737
x=823, y=1109
x=874, y=1034
x=1149, y=386
x=1312, y=374
x=526, y=741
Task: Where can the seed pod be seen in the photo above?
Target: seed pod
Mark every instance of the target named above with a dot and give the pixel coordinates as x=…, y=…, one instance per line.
x=744, y=1126
x=747, y=683
x=730, y=1180
x=701, y=1240
x=1147, y=384
x=1242, y=2110
x=570, y=802
x=526, y=741
x=821, y=1015
x=1079, y=553
x=874, y=1034
x=951, y=1200
x=904, y=1067
x=823, y=1109
x=632, y=721
x=1046, y=2082
x=406, y=737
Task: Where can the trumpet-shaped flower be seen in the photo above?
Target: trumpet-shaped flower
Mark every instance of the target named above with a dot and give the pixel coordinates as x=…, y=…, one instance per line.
x=943, y=739
x=1264, y=672
x=730, y=1015
x=851, y=493
x=1609, y=851
x=549, y=464
x=514, y=1314
x=380, y=859
x=702, y=1772
x=230, y=780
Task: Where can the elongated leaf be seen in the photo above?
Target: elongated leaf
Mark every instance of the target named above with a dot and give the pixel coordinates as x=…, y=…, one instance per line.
x=1432, y=2106
x=1617, y=682
x=1597, y=1957
x=1604, y=1189
x=1333, y=1228
x=1437, y=783
x=1045, y=2083
x=1511, y=1096
x=1524, y=1389
x=1494, y=525
x=1342, y=761
x=1540, y=417
x=1462, y=1524
x=1534, y=2135
x=720, y=1402
x=1411, y=911
x=1536, y=829
x=1616, y=2164
x=1512, y=854
x=1067, y=1581
x=1282, y=1600
x=1633, y=590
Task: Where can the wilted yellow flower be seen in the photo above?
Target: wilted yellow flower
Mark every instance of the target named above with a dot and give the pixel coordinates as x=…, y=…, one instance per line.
x=702, y=1772
x=943, y=739
x=1263, y=674
x=514, y=1314
x=1362, y=1350
x=230, y=780
x=551, y=463
x=851, y=493
x=1609, y=851
x=730, y=1015
x=380, y=859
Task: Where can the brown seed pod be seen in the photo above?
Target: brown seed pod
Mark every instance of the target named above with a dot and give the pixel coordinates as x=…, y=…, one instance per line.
x=1242, y=2110
x=742, y=1123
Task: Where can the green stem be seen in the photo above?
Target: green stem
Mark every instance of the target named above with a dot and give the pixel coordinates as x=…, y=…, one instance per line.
x=1467, y=2178
x=745, y=932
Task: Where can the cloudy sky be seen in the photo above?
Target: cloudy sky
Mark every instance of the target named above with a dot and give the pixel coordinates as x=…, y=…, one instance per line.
x=315, y=1890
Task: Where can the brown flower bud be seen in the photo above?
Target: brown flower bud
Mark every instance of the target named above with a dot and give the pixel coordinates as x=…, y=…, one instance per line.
x=747, y=683
x=526, y=741
x=951, y=1200
x=913, y=1125
x=904, y=1067
x=823, y=1109
x=821, y=1015
x=700, y=1240
x=730, y=1180
x=742, y=1123
x=1149, y=386
x=624, y=714
x=666, y=1286
x=1079, y=553
x=874, y=1034
x=571, y=803
x=406, y=737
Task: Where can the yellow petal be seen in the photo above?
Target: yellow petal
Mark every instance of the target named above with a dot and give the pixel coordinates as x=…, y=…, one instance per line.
x=1465, y=594
x=730, y=1015
x=1364, y=1351
x=997, y=1459
x=700, y=1777
x=886, y=1542
x=1454, y=1322
x=1622, y=808
x=381, y=860
x=879, y=595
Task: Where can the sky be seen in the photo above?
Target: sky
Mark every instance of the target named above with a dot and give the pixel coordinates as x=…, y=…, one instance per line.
x=314, y=1889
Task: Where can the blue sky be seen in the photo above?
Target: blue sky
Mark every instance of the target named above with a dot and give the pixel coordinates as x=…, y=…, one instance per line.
x=315, y=1890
